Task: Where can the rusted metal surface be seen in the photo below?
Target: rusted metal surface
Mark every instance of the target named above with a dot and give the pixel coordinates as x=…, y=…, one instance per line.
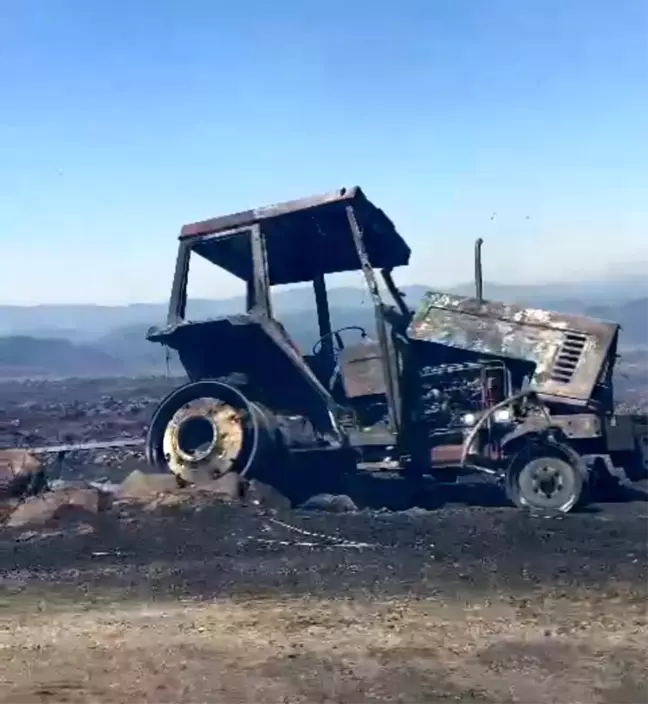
x=86, y=446
x=577, y=426
x=568, y=352
x=303, y=238
x=323, y=315
x=479, y=278
x=389, y=367
x=362, y=370
x=255, y=215
x=261, y=284
x=450, y=455
x=212, y=453
x=446, y=454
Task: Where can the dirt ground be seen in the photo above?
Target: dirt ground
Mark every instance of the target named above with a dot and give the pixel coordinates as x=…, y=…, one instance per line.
x=469, y=602
x=227, y=604
x=328, y=651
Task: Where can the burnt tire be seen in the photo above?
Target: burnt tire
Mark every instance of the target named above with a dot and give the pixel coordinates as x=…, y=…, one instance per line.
x=547, y=478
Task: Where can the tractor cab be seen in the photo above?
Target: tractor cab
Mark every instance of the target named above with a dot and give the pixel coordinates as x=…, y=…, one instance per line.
x=300, y=241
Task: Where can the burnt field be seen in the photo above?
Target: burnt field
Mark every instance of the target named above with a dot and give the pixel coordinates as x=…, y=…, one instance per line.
x=199, y=600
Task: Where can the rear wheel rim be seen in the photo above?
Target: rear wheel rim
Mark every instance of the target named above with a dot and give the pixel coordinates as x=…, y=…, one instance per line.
x=206, y=437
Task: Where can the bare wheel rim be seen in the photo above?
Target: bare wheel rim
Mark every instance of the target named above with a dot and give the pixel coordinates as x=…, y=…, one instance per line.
x=548, y=483
x=204, y=436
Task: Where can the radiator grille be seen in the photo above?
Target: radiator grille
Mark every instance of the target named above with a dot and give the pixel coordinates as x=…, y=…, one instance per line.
x=568, y=357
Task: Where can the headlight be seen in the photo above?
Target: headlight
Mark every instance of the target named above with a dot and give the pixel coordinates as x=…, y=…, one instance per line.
x=469, y=419
x=503, y=415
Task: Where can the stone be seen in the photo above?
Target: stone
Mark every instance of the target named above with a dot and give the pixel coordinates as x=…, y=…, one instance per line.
x=228, y=486
x=63, y=505
x=145, y=485
x=16, y=466
x=265, y=496
x=334, y=503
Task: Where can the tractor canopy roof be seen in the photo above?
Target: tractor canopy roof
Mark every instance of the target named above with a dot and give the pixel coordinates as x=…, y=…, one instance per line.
x=304, y=238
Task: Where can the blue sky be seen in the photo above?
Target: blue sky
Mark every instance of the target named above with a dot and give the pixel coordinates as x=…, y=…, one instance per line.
x=122, y=119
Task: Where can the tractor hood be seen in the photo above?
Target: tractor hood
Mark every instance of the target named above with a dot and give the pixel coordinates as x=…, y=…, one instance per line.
x=568, y=352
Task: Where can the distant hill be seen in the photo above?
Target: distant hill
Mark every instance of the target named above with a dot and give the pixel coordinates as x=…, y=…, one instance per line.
x=632, y=316
x=22, y=356
x=91, y=340
x=612, y=290
x=84, y=323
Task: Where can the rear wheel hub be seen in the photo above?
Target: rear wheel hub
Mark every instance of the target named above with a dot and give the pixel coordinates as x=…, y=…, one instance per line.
x=204, y=436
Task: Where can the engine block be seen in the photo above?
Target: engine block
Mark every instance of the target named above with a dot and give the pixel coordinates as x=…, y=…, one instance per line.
x=448, y=392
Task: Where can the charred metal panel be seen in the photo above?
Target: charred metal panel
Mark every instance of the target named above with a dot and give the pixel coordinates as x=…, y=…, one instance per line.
x=620, y=433
x=255, y=215
x=642, y=447
x=625, y=432
x=568, y=351
x=362, y=370
x=578, y=426
x=446, y=454
x=303, y=238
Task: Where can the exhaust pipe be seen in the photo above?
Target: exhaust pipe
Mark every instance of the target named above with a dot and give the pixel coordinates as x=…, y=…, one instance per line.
x=479, y=282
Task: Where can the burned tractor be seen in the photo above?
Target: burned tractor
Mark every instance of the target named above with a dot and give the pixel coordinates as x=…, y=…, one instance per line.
x=461, y=385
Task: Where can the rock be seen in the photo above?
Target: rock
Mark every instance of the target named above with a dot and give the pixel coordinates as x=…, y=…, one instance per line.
x=144, y=485
x=416, y=512
x=17, y=468
x=265, y=496
x=335, y=503
x=228, y=486
x=159, y=490
x=19, y=461
x=79, y=528
x=106, y=486
x=7, y=507
x=64, y=505
x=167, y=500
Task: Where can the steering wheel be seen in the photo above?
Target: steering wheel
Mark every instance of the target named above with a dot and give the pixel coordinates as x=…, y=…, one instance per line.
x=338, y=344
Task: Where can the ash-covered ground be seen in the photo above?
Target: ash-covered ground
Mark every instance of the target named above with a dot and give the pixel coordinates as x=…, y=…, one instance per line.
x=40, y=413
x=200, y=600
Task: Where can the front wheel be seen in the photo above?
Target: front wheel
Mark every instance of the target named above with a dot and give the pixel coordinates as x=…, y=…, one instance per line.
x=546, y=478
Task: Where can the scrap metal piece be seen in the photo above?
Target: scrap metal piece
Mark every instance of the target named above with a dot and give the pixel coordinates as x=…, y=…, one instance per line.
x=81, y=446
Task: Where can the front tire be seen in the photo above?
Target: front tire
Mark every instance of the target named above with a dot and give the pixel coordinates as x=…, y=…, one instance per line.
x=546, y=478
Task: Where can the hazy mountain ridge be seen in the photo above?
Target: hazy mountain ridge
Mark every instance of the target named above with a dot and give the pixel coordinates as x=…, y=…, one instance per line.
x=89, y=322
x=23, y=356
x=93, y=340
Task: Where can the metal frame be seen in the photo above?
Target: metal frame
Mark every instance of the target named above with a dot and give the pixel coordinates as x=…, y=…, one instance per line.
x=258, y=289
x=259, y=302
x=385, y=343
x=178, y=300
